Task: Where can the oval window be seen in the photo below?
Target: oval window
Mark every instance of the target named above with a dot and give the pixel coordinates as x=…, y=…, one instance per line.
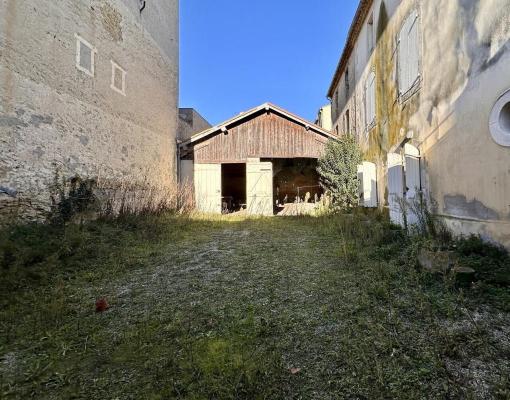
x=500, y=120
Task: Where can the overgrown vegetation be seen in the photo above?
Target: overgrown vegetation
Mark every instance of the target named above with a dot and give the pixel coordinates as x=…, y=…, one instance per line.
x=72, y=197
x=338, y=170
x=459, y=261
x=76, y=199
x=231, y=308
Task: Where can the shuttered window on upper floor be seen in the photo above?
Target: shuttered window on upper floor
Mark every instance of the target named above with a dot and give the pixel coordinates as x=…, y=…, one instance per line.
x=409, y=54
x=370, y=100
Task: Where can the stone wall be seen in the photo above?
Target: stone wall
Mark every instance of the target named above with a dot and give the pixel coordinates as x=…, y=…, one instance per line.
x=55, y=117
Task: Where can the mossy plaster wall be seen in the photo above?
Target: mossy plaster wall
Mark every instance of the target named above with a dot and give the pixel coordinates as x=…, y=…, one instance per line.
x=464, y=71
x=54, y=116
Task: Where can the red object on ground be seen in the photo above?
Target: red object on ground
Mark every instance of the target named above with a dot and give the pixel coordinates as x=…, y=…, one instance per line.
x=101, y=305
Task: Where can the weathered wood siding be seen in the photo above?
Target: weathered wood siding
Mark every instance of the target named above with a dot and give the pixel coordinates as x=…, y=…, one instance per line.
x=264, y=136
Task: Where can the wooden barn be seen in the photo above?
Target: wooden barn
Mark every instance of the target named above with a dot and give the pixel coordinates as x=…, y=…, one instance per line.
x=259, y=161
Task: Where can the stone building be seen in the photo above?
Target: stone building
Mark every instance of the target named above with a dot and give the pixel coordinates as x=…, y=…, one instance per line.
x=424, y=86
x=190, y=123
x=87, y=87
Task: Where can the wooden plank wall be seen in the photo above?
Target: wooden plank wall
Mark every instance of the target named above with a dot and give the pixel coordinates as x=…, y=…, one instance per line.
x=264, y=136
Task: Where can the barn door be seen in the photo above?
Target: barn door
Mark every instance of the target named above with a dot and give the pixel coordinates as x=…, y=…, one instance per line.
x=413, y=181
x=259, y=188
x=208, y=187
x=396, y=187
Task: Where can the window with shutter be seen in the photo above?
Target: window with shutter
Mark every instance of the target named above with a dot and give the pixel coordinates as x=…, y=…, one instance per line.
x=370, y=100
x=409, y=54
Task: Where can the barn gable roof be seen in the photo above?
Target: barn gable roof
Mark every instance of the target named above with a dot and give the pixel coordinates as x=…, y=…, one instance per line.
x=266, y=107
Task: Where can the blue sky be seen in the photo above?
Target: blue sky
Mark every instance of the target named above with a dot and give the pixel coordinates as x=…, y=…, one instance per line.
x=238, y=54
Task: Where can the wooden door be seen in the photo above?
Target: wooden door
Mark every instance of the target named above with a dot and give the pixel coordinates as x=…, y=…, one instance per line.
x=259, y=188
x=207, y=181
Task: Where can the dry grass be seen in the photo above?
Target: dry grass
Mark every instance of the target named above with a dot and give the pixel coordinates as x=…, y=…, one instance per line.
x=119, y=198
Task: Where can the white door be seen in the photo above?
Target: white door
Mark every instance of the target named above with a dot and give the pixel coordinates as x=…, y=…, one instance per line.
x=412, y=180
x=208, y=187
x=259, y=188
x=396, y=187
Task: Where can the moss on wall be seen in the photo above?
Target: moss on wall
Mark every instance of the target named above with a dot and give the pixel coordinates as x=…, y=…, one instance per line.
x=392, y=115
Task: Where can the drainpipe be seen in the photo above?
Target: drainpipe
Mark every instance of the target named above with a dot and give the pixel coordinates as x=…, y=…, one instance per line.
x=178, y=166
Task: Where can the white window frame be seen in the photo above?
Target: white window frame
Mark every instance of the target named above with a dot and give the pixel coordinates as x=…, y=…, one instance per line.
x=116, y=66
x=79, y=42
x=405, y=93
x=500, y=133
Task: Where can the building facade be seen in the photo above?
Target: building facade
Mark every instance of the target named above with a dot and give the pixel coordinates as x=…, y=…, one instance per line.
x=424, y=86
x=324, y=117
x=87, y=87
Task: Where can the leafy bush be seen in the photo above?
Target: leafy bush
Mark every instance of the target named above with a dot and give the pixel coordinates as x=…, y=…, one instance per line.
x=338, y=170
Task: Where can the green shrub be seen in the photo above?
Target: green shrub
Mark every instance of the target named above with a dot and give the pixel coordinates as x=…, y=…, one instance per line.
x=338, y=171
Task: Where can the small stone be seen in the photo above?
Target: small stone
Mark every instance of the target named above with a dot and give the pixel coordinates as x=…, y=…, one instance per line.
x=436, y=261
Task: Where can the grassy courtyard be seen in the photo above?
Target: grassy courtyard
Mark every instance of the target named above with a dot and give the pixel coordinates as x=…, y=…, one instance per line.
x=233, y=308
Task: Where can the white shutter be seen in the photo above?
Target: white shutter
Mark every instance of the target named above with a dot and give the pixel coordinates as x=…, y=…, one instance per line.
x=408, y=53
x=370, y=184
x=360, y=185
x=402, y=60
x=367, y=102
x=370, y=99
x=395, y=187
x=372, y=91
x=414, y=49
x=412, y=179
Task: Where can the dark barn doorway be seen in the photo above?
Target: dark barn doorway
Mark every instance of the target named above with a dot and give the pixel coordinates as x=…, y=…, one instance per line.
x=233, y=187
x=295, y=180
